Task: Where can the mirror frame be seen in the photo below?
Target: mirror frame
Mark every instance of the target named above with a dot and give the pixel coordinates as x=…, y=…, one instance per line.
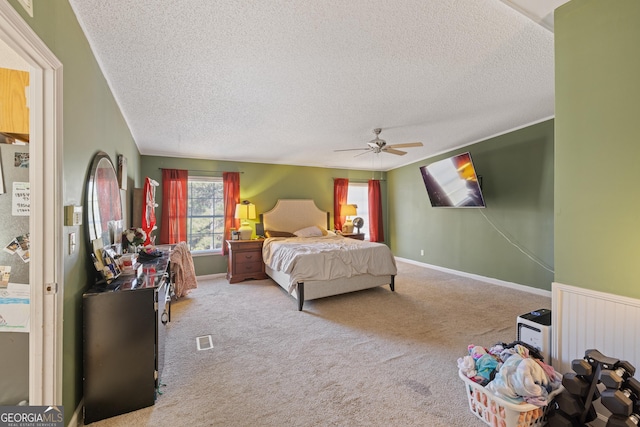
x=93, y=227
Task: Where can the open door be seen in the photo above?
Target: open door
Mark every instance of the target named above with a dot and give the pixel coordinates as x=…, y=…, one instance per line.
x=45, y=211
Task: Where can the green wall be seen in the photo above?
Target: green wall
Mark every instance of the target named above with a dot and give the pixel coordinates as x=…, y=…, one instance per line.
x=262, y=184
x=597, y=149
x=92, y=122
x=517, y=183
x=596, y=200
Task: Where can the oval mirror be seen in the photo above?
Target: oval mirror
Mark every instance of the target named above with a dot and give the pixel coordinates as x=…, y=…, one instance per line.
x=104, y=211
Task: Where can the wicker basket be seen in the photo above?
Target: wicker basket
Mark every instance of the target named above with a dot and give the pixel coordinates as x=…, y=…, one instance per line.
x=497, y=412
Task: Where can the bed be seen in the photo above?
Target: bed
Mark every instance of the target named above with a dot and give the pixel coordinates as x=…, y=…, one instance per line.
x=318, y=266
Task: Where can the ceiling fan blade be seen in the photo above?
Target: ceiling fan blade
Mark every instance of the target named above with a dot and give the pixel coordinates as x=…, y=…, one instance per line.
x=362, y=153
x=407, y=145
x=393, y=151
x=353, y=149
x=378, y=145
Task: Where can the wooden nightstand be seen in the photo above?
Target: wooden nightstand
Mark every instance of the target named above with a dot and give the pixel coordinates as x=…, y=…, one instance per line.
x=357, y=236
x=245, y=260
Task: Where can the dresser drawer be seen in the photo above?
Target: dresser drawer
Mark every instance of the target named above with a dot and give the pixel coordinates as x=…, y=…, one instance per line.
x=247, y=245
x=247, y=257
x=248, y=267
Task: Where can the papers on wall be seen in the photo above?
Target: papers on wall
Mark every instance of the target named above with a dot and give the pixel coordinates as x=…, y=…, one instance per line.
x=5, y=274
x=21, y=204
x=14, y=308
x=19, y=246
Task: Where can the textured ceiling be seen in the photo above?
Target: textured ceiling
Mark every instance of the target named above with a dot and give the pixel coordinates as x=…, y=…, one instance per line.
x=290, y=81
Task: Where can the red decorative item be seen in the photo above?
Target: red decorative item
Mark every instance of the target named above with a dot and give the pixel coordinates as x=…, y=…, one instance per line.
x=149, y=208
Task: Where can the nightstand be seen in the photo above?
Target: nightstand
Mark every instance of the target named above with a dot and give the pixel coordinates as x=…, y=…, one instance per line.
x=245, y=260
x=357, y=236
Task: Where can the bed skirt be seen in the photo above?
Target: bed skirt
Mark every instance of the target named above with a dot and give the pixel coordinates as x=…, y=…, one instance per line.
x=319, y=289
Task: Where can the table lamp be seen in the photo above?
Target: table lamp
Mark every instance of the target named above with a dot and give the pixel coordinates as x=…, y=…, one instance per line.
x=348, y=211
x=244, y=211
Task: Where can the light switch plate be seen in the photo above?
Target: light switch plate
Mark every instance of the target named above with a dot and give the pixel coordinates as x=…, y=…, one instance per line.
x=28, y=6
x=72, y=243
x=73, y=215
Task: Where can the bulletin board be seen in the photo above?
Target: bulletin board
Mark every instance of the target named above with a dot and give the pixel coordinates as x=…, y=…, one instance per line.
x=14, y=278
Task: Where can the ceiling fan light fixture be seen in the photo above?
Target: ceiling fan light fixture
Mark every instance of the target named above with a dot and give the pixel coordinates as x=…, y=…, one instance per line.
x=378, y=145
x=377, y=141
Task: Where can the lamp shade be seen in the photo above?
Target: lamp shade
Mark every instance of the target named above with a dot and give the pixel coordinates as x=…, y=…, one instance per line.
x=348, y=210
x=245, y=211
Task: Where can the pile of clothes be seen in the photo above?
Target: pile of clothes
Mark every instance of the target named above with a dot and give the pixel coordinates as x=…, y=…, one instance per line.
x=514, y=372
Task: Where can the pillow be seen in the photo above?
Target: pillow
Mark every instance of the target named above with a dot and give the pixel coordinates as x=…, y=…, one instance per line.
x=326, y=232
x=312, y=231
x=273, y=233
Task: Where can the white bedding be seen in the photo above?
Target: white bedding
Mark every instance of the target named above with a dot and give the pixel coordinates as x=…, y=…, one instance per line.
x=326, y=258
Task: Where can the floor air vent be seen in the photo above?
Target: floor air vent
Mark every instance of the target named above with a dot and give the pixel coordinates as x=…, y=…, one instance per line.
x=204, y=343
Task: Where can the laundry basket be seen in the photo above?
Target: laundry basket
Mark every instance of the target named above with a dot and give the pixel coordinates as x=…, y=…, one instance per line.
x=497, y=412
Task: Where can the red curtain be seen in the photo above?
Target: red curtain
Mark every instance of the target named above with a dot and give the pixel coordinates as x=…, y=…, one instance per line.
x=376, y=230
x=231, y=194
x=174, y=206
x=340, y=190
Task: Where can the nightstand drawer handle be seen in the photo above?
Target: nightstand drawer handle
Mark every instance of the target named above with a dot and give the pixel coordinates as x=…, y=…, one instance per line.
x=248, y=256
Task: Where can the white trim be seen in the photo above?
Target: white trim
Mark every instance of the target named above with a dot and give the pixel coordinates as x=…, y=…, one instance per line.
x=490, y=280
x=45, y=222
x=211, y=276
x=467, y=144
x=77, y=418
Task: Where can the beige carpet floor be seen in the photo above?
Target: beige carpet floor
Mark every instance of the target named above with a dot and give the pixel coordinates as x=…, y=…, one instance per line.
x=370, y=358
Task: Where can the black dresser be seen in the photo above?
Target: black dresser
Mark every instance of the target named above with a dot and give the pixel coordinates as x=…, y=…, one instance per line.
x=124, y=325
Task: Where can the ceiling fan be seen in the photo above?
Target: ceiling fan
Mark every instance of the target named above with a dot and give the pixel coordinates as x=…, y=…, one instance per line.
x=378, y=146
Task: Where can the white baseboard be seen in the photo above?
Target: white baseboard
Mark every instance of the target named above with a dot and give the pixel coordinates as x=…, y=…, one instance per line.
x=76, y=420
x=211, y=276
x=490, y=280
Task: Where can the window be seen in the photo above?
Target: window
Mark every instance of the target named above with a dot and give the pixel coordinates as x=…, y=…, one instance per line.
x=205, y=213
x=359, y=195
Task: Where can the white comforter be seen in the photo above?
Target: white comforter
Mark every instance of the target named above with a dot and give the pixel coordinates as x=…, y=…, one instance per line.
x=326, y=258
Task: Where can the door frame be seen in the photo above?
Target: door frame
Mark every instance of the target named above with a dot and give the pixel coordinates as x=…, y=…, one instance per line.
x=45, y=220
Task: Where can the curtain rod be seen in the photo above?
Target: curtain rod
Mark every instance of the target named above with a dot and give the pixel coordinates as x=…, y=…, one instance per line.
x=358, y=179
x=198, y=170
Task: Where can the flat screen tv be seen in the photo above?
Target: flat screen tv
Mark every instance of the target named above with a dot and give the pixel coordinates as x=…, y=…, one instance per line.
x=453, y=183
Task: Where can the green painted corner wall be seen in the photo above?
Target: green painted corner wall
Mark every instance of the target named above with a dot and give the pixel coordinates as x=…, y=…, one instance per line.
x=92, y=121
x=592, y=214
x=517, y=172
x=262, y=184
x=597, y=149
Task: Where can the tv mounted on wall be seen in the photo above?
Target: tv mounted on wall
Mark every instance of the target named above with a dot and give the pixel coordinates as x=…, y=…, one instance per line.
x=453, y=183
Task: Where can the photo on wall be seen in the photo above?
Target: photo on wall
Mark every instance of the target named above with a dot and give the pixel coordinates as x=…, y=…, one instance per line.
x=21, y=160
x=122, y=172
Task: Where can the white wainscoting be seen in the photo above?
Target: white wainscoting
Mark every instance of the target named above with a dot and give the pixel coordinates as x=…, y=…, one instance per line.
x=584, y=319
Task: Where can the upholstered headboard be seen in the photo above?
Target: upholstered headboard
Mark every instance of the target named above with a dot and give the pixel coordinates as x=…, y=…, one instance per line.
x=294, y=214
